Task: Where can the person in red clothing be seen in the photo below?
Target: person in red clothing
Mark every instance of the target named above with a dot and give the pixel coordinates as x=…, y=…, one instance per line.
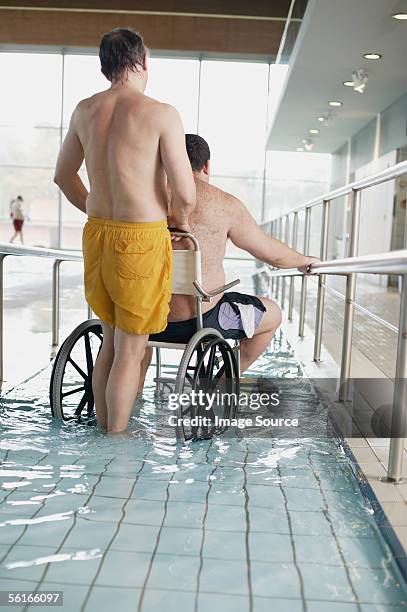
x=17, y=214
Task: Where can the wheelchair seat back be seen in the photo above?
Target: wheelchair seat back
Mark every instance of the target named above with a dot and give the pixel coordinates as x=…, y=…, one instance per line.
x=186, y=270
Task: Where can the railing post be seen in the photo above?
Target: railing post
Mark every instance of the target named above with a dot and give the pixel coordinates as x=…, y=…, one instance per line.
x=399, y=416
x=321, y=282
x=2, y=257
x=350, y=298
x=158, y=369
x=272, y=278
x=286, y=239
x=307, y=228
x=55, y=301
x=292, y=279
x=279, y=236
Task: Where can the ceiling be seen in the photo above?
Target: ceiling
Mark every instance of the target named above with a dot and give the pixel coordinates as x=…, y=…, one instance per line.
x=333, y=38
x=262, y=28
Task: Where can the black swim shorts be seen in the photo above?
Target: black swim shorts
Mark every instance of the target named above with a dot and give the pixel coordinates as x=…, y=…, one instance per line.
x=231, y=316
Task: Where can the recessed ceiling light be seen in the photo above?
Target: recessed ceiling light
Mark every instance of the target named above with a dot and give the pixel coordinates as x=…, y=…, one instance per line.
x=372, y=56
x=300, y=149
x=304, y=141
x=400, y=16
x=348, y=83
x=313, y=131
x=335, y=103
x=321, y=119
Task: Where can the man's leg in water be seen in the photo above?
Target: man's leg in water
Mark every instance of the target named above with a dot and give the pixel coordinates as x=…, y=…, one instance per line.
x=252, y=348
x=101, y=373
x=124, y=377
x=144, y=367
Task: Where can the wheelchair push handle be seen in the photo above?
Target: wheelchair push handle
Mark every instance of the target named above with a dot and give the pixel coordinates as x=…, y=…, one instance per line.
x=181, y=234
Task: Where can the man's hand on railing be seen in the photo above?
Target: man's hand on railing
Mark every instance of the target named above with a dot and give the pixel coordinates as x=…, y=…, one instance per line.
x=304, y=268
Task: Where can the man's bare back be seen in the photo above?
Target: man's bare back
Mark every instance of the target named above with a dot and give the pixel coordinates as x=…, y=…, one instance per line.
x=131, y=145
x=210, y=223
x=120, y=133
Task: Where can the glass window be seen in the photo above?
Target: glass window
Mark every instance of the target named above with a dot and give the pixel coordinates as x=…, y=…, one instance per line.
x=298, y=166
x=29, y=146
x=30, y=111
x=248, y=190
x=293, y=179
x=233, y=112
x=40, y=196
x=176, y=82
x=82, y=79
x=31, y=89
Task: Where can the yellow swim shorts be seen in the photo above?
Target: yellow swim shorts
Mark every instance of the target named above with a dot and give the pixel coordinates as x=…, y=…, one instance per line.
x=127, y=269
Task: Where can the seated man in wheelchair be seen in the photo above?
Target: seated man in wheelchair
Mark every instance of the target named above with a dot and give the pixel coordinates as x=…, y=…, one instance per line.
x=220, y=216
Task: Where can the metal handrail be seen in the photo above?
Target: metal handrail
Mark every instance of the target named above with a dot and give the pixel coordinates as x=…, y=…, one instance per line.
x=394, y=262
x=12, y=249
x=386, y=263
x=370, y=181
x=294, y=272
x=6, y=250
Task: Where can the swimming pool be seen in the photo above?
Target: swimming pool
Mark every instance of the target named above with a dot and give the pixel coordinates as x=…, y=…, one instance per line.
x=143, y=524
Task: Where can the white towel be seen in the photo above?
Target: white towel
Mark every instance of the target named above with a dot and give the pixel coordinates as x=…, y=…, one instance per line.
x=247, y=316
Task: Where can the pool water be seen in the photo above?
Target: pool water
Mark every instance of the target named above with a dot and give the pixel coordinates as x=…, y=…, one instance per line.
x=144, y=524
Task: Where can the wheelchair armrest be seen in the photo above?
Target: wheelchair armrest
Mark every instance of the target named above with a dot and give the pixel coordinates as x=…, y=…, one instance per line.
x=208, y=295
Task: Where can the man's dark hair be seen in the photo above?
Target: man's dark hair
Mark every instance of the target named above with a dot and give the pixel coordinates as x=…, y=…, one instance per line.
x=19, y=198
x=121, y=50
x=198, y=151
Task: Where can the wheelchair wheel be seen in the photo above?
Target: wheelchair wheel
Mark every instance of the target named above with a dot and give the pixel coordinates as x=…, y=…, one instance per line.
x=209, y=368
x=71, y=379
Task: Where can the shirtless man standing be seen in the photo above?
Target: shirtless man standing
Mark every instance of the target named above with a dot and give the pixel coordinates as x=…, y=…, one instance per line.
x=220, y=216
x=131, y=145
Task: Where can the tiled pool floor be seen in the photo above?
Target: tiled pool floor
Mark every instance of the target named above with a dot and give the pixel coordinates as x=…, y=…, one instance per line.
x=142, y=524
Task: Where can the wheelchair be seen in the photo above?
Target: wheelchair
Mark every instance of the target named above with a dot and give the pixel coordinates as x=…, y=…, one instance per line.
x=209, y=363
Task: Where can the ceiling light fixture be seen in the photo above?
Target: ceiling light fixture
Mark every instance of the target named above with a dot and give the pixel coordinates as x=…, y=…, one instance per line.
x=348, y=83
x=372, y=56
x=335, y=103
x=360, y=78
x=300, y=149
x=400, y=16
x=321, y=119
x=313, y=131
